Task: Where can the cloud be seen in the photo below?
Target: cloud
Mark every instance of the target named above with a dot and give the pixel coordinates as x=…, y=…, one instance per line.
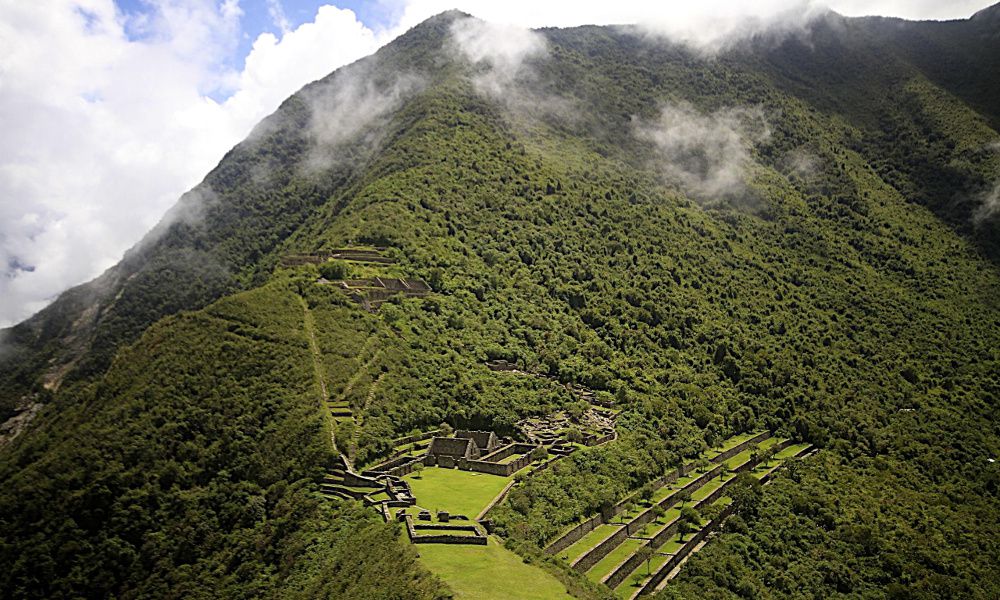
x=347, y=108
x=500, y=49
x=705, y=154
x=277, y=14
x=989, y=200
x=505, y=61
x=989, y=207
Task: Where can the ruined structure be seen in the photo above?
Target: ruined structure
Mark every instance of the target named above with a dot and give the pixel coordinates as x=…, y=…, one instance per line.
x=486, y=441
x=446, y=452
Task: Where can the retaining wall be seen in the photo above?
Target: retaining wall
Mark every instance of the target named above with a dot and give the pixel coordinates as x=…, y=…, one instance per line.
x=508, y=450
x=684, y=551
x=419, y=437
x=573, y=535
x=415, y=531
x=592, y=440
x=494, y=468
x=354, y=480
x=591, y=558
x=405, y=469
x=626, y=568
x=690, y=545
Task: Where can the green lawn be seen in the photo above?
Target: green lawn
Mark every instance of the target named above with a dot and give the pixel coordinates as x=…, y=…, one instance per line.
x=791, y=451
x=732, y=442
x=489, y=572
x=614, y=558
x=510, y=458
x=458, y=492
x=779, y=458
x=588, y=541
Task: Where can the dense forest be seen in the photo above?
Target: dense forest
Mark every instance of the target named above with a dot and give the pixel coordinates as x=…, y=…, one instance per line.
x=790, y=235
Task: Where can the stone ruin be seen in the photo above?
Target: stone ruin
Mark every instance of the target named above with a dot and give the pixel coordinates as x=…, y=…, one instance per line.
x=371, y=293
x=352, y=254
x=479, y=451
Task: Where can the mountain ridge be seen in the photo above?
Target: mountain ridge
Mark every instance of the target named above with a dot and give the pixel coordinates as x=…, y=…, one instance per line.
x=569, y=224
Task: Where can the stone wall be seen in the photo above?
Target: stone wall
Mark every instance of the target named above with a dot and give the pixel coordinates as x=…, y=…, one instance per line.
x=405, y=468
x=626, y=568
x=684, y=551
x=593, y=440
x=418, y=533
x=598, y=552
x=508, y=450
x=354, y=480
x=693, y=542
x=389, y=465
x=574, y=534
x=415, y=438
x=494, y=468
x=741, y=447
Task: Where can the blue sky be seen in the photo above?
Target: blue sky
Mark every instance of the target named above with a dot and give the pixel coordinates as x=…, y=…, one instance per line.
x=272, y=16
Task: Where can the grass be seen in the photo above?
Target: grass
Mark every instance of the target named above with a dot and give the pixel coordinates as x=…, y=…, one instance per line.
x=594, y=537
x=458, y=492
x=614, y=558
x=778, y=459
x=591, y=539
x=731, y=443
x=510, y=458
x=489, y=572
x=627, y=588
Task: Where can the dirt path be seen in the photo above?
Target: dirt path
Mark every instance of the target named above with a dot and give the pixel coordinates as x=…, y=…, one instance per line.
x=317, y=358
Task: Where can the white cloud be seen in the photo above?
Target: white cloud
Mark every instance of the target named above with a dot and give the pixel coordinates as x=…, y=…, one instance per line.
x=707, y=155
x=107, y=119
x=704, y=21
x=277, y=14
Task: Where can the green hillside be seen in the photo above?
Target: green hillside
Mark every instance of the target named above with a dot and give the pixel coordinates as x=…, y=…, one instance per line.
x=788, y=236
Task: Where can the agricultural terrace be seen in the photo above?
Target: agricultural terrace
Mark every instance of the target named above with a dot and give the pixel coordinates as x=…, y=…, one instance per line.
x=664, y=564
x=612, y=552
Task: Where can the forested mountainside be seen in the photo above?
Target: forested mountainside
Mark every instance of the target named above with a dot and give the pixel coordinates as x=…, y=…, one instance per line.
x=796, y=233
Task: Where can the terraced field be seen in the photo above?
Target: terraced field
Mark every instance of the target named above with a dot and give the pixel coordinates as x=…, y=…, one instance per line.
x=610, y=553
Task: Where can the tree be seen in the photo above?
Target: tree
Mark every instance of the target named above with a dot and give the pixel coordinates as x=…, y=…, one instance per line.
x=768, y=455
x=658, y=512
x=646, y=493
x=684, y=496
x=711, y=512
x=688, y=521
x=576, y=410
x=645, y=554
x=539, y=453
x=627, y=508
x=418, y=470
x=574, y=436
x=683, y=528
x=745, y=492
x=445, y=429
x=335, y=270
x=637, y=579
x=724, y=471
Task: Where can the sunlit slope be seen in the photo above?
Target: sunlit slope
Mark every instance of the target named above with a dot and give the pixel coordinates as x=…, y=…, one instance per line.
x=822, y=275
x=189, y=470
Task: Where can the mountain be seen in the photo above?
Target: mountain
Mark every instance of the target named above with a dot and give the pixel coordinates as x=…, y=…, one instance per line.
x=798, y=232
